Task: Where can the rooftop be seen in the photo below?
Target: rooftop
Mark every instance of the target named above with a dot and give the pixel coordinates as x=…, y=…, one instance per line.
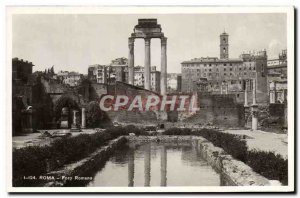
x=212, y=60
x=147, y=23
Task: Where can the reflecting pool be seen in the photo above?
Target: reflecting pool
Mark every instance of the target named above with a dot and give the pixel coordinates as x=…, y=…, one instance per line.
x=156, y=164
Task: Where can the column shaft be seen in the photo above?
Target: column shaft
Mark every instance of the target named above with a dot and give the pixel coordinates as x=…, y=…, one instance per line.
x=275, y=93
x=254, y=123
x=221, y=86
x=131, y=61
x=254, y=92
x=163, y=167
x=83, y=122
x=74, y=117
x=147, y=165
x=246, y=95
x=147, y=68
x=131, y=168
x=163, y=77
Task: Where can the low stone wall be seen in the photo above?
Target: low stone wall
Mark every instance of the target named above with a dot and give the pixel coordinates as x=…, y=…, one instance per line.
x=233, y=172
x=85, y=165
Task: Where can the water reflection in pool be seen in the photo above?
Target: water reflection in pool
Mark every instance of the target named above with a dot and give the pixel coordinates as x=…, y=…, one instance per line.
x=156, y=164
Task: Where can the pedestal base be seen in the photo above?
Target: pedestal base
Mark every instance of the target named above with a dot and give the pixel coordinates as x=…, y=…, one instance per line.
x=74, y=128
x=64, y=124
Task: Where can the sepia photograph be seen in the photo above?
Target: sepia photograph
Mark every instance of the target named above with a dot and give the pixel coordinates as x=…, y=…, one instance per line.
x=150, y=99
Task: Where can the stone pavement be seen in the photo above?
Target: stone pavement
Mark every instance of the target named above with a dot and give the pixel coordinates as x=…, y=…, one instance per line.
x=265, y=141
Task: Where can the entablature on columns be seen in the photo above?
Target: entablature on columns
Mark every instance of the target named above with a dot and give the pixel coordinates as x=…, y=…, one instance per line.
x=144, y=35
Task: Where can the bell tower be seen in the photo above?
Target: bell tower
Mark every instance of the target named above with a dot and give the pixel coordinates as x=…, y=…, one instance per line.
x=224, y=46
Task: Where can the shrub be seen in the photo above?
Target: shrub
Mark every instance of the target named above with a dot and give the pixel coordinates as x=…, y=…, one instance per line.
x=178, y=131
x=94, y=114
x=268, y=164
x=35, y=160
x=231, y=143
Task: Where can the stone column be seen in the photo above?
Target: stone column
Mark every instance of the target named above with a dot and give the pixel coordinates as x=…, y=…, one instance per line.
x=147, y=165
x=131, y=61
x=221, y=86
x=254, y=116
x=246, y=95
x=254, y=92
x=163, y=77
x=163, y=167
x=272, y=96
x=147, y=68
x=131, y=168
x=275, y=92
x=254, y=108
x=83, y=122
x=74, y=117
x=226, y=88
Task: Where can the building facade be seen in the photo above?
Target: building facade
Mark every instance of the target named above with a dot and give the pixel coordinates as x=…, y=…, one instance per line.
x=277, y=78
x=118, y=71
x=226, y=75
x=69, y=78
x=97, y=73
x=139, y=79
x=21, y=70
x=172, y=82
x=22, y=93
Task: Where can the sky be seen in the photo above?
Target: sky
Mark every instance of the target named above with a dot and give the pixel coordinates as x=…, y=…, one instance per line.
x=73, y=42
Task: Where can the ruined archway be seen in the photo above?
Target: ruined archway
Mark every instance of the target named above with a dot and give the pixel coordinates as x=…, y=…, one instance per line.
x=65, y=102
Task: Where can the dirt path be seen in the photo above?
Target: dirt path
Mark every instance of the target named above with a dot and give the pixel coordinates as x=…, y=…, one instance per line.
x=265, y=141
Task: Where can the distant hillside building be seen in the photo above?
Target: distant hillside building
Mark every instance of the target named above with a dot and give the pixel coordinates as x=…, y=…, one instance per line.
x=69, y=78
x=154, y=78
x=117, y=70
x=277, y=78
x=227, y=75
x=97, y=73
x=278, y=66
x=172, y=83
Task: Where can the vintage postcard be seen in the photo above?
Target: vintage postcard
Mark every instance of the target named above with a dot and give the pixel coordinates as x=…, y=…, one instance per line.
x=150, y=99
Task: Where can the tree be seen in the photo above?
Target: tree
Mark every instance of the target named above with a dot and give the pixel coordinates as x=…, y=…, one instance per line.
x=94, y=115
x=52, y=69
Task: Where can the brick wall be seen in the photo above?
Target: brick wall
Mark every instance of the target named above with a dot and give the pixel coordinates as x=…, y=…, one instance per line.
x=121, y=88
x=218, y=110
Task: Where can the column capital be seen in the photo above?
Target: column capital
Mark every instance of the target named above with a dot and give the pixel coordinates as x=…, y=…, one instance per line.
x=131, y=40
x=147, y=41
x=163, y=40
